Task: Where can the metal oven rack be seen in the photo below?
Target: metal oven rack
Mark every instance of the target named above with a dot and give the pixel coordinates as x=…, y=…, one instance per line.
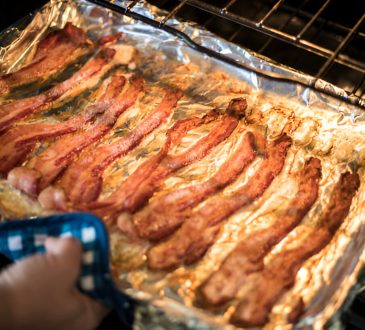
x=306, y=35
x=294, y=23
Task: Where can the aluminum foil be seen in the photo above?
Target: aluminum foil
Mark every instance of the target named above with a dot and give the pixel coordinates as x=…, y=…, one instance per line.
x=324, y=127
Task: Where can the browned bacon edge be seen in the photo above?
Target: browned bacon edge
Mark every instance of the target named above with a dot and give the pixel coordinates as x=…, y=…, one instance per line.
x=82, y=181
x=226, y=124
x=54, y=53
x=50, y=163
x=132, y=198
x=279, y=275
x=12, y=111
x=108, y=208
x=55, y=198
x=163, y=216
x=21, y=139
x=249, y=254
x=200, y=229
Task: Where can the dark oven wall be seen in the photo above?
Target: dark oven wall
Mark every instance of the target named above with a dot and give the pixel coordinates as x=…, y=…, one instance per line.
x=11, y=11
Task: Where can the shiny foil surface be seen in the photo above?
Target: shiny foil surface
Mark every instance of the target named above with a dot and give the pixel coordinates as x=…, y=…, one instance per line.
x=319, y=126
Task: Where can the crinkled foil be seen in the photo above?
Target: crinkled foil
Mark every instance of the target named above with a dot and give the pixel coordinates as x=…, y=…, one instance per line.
x=326, y=128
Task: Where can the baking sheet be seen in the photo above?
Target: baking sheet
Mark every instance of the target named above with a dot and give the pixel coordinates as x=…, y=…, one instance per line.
x=329, y=129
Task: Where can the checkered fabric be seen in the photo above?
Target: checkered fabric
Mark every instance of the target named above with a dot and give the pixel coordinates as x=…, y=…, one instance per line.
x=19, y=239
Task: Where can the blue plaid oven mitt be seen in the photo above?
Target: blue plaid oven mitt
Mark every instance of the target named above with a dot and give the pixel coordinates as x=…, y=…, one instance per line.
x=22, y=238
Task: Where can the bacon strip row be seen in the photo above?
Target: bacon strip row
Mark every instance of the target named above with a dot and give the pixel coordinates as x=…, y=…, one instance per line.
x=54, y=53
x=248, y=256
x=55, y=198
x=279, y=275
x=127, y=199
x=82, y=181
x=164, y=215
x=200, y=229
x=13, y=111
x=52, y=161
x=21, y=139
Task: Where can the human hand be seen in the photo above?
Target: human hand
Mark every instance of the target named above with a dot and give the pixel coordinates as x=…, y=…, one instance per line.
x=40, y=292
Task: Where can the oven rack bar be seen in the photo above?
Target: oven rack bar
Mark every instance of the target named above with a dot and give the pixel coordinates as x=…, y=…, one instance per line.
x=297, y=40
x=126, y=8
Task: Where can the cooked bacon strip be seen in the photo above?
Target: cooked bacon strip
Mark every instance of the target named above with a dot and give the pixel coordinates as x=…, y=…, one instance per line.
x=223, y=129
x=200, y=229
x=163, y=216
x=125, y=198
x=51, y=196
x=82, y=182
x=12, y=111
x=279, y=275
x=248, y=256
x=54, y=53
x=57, y=157
x=50, y=163
x=21, y=139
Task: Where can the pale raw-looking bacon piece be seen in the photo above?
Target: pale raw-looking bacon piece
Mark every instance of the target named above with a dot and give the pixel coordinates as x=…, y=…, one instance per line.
x=82, y=182
x=53, y=160
x=51, y=196
x=164, y=215
x=54, y=53
x=279, y=274
x=111, y=38
x=13, y=111
x=130, y=196
x=21, y=139
x=248, y=256
x=201, y=228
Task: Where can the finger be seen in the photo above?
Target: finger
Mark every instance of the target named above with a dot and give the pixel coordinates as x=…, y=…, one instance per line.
x=67, y=251
x=66, y=247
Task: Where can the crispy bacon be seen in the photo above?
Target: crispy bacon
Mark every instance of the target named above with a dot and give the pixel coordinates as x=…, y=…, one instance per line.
x=83, y=180
x=108, y=209
x=200, y=229
x=174, y=135
x=50, y=163
x=54, y=53
x=279, y=275
x=12, y=111
x=249, y=254
x=21, y=139
x=131, y=196
x=163, y=216
x=223, y=129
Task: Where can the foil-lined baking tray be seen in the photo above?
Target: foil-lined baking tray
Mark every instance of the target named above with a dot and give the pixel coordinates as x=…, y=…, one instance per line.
x=333, y=128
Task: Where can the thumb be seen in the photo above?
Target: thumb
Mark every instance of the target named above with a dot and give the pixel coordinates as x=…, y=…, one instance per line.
x=66, y=252
x=69, y=251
